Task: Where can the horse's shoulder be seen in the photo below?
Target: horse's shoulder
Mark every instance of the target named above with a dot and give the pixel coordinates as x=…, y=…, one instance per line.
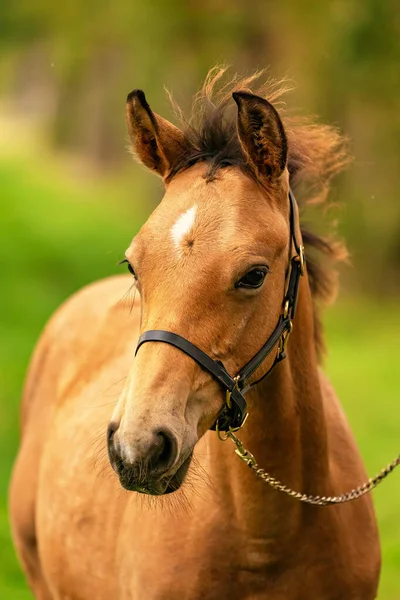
x=94, y=299
x=91, y=320
x=91, y=307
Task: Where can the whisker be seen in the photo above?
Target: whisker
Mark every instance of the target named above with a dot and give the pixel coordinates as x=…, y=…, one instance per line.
x=101, y=405
x=121, y=304
x=115, y=383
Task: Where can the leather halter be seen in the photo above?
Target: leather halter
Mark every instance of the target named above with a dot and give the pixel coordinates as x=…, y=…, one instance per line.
x=234, y=413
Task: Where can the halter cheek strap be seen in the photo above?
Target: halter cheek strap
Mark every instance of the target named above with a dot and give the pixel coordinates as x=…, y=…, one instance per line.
x=234, y=412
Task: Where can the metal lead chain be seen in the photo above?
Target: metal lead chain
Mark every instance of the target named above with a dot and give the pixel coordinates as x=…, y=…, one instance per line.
x=359, y=491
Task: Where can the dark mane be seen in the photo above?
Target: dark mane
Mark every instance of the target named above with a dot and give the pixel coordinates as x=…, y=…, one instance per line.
x=316, y=153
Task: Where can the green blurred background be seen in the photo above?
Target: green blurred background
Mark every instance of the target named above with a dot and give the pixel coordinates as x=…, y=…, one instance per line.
x=71, y=200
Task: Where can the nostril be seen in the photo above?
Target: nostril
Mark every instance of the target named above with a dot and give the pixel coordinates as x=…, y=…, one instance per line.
x=113, y=451
x=111, y=429
x=166, y=446
x=164, y=450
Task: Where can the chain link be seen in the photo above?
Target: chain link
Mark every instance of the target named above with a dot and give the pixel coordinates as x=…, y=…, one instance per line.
x=357, y=492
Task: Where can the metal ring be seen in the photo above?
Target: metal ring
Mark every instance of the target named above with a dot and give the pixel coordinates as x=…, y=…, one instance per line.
x=218, y=432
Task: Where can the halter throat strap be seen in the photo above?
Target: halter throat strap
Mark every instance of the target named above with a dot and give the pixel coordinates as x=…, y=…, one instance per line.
x=234, y=412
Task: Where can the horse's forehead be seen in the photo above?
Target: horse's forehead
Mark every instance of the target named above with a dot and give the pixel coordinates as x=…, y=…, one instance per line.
x=229, y=182
x=197, y=215
x=192, y=202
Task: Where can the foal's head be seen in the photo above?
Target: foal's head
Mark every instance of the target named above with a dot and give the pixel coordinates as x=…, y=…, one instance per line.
x=210, y=265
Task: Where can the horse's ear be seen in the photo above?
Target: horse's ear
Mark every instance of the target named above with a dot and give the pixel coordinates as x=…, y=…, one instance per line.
x=261, y=134
x=155, y=141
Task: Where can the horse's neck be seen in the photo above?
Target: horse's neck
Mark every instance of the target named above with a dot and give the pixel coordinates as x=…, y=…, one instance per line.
x=286, y=432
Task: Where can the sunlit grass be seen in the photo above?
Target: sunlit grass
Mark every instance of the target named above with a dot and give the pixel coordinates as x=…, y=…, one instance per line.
x=56, y=237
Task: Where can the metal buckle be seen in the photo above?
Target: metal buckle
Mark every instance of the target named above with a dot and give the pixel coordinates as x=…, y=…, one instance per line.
x=229, y=392
x=302, y=259
x=228, y=401
x=284, y=339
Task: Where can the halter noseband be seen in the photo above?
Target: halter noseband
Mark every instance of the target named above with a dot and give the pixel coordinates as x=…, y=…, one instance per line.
x=234, y=413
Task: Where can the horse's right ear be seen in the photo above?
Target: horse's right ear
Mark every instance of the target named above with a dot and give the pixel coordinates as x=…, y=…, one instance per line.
x=261, y=134
x=155, y=141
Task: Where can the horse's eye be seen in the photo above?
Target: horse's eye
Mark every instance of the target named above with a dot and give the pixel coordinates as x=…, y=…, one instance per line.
x=130, y=268
x=253, y=279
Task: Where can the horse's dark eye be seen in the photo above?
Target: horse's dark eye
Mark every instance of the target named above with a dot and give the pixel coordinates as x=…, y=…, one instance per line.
x=253, y=279
x=130, y=268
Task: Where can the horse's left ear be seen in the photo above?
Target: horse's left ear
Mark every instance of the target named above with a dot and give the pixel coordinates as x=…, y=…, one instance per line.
x=156, y=142
x=261, y=134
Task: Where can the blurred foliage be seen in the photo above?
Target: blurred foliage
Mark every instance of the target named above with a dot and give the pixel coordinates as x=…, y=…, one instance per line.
x=73, y=68
x=68, y=207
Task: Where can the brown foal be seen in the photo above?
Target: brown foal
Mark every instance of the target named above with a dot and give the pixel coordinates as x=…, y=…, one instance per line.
x=210, y=265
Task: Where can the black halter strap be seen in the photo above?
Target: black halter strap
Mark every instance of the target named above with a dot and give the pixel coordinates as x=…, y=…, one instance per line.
x=235, y=410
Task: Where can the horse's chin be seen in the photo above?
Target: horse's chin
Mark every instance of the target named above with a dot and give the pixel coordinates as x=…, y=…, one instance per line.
x=162, y=486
